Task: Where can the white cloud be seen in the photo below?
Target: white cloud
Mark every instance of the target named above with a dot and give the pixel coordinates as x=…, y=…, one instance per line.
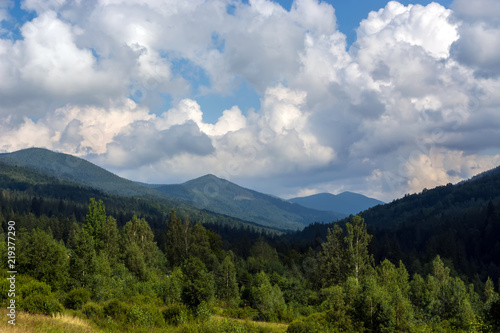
x=420, y=84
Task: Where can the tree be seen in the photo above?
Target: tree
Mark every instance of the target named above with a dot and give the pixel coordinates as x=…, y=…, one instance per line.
x=268, y=299
x=137, y=231
x=226, y=283
x=200, y=244
x=198, y=284
x=334, y=257
x=359, y=261
x=43, y=258
x=95, y=220
x=82, y=264
x=110, y=241
x=177, y=242
x=489, y=295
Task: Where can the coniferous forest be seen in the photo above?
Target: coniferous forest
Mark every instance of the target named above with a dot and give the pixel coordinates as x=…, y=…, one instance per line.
x=123, y=264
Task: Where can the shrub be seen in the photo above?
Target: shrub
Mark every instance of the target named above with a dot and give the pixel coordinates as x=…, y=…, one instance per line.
x=34, y=287
x=145, y=315
x=93, y=310
x=116, y=310
x=76, y=298
x=314, y=323
x=176, y=314
x=38, y=303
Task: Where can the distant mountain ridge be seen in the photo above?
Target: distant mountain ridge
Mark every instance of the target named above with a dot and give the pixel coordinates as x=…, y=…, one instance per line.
x=346, y=202
x=223, y=197
x=208, y=193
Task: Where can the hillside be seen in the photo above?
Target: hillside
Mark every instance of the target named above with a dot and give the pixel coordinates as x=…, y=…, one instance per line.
x=460, y=222
x=207, y=193
x=346, y=202
x=27, y=190
x=74, y=169
x=221, y=196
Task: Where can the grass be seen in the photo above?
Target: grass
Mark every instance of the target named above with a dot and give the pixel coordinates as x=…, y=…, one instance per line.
x=60, y=323
x=68, y=323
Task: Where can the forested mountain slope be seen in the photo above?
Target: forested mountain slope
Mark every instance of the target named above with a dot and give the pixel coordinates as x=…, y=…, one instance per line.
x=207, y=193
x=221, y=196
x=460, y=222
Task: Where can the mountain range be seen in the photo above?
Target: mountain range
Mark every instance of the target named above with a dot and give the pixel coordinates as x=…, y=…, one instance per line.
x=207, y=193
x=346, y=202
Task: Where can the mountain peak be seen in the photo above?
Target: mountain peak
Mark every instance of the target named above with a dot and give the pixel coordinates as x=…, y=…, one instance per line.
x=345, y=202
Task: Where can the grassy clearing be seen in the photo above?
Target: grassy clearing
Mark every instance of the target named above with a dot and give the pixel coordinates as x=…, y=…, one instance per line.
x=68, y=323
x=60, y=323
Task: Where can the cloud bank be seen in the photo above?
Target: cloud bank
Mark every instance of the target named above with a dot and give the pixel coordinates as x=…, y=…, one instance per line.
x=413, y=103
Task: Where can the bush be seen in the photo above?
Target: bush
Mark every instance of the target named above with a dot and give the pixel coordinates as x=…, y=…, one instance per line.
x=314, y=323
x=93, y=310
x=246, y=313
x=176, y=314
x=34, y=287
x=38, y=303
x=116, y=310
x=76, y=298
x=145, y=315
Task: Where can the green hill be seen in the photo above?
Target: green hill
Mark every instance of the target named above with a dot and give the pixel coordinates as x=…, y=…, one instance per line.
x=74, y=169
x=221, y=196
x=207, y=193
x=459, y=222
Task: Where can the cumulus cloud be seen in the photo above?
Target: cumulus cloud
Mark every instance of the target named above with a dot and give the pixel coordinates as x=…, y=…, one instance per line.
x=407, y=106
x=479, y=33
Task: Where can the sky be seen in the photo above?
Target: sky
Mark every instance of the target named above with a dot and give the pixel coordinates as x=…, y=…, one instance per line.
x=289, y=98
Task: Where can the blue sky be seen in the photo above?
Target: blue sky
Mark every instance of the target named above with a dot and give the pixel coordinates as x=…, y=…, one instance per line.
x=268, y=95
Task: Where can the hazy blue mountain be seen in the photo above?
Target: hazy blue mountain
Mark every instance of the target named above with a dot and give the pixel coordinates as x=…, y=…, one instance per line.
x=346, y=202
x=221, y=196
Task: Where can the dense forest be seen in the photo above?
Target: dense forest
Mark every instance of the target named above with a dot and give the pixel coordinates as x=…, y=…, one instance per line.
x=121, y=278
x=427, y=262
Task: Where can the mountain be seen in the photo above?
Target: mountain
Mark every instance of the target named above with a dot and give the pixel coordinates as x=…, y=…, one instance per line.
x=459, y=222
x=74, y=169
x=346, y=202
x=221, y=196
x=207, y=193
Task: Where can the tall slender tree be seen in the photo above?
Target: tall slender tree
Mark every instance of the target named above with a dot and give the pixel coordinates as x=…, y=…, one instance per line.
x=359, y=260
x=95, y=220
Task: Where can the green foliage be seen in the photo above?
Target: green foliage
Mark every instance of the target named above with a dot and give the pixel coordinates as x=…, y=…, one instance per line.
x=144, y=316
x=177, y=243
x=93, y=310
x=315, y=323
x=172, y=291
x=268, y=299
x=226, y=283
x=32, y=287
x=39, y=303
x=95, y=221
x=110, y=240
x=358, y=260
x=82, y=262
x=176, y=314
x=76, y=298
x=117, y=310
x=333, y=261
x=198, y=283
x=43, y=258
